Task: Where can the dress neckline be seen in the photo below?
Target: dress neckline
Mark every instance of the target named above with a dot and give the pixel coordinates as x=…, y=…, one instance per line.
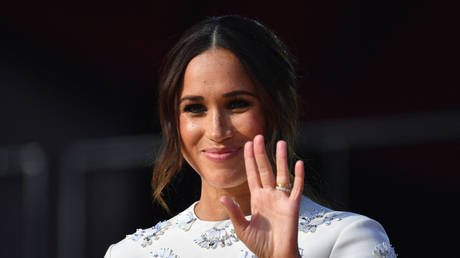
x=191, y=210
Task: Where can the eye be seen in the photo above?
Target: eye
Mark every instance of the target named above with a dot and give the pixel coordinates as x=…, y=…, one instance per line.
x=194, y=108
x=238, y=104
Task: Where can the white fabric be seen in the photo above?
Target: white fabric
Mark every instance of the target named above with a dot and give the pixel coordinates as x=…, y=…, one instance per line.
x=322, y=233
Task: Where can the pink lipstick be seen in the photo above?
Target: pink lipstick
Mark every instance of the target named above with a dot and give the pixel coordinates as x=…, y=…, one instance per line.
x=221, y=154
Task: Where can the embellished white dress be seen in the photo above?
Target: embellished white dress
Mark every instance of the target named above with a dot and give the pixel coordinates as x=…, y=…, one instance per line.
x=322, y=233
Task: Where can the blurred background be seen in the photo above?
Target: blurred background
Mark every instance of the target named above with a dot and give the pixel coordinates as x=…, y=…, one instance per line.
x=79, y=129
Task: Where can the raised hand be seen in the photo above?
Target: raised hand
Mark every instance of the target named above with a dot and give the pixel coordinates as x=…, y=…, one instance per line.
x=272, y=230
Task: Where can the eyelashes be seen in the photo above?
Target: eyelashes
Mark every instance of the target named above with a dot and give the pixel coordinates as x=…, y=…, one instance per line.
x=237, y=105
x=194, y=108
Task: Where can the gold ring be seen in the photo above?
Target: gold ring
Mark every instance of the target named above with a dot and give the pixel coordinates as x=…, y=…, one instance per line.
x=283, y=188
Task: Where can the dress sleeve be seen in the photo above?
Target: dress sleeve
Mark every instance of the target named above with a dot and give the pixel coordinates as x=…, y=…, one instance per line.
x=108, y=253
x=363, y=238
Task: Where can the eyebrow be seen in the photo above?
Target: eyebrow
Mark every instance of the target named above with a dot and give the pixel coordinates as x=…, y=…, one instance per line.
x=226, y=95
x=191, y=98
x=239, y=92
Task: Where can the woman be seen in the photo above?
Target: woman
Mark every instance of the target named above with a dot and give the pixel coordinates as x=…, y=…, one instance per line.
x=228, y=108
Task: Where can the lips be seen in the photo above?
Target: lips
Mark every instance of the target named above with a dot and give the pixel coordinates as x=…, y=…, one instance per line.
x=221, y=154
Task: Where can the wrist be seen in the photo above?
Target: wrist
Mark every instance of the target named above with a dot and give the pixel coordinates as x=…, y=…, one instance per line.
x=293, y=253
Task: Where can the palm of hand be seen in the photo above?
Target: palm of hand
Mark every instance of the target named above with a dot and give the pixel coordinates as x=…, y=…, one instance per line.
x=272, y=230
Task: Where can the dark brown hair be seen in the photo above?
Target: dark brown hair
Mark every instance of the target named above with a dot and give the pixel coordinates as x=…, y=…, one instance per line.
x=267, y=61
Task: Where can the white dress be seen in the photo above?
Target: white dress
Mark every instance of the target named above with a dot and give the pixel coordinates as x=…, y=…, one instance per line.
x=322, y=233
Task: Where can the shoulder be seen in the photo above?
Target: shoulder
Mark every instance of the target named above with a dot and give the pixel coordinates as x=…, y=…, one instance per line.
x=341, y=233
x=134, y=245
x=142, y=242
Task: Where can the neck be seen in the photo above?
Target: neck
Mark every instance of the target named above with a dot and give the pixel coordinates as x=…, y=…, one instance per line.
x=209, y=206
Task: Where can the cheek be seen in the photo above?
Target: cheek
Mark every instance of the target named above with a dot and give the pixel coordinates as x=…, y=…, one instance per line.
x=189, y=130
x=250, y=124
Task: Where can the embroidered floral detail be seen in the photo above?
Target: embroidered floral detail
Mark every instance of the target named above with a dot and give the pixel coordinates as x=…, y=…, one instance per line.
x=137, y=235
x=146, y=235
x=213, y=237
x=185, y=220
x=247, y=254
x=384, y=250
x=164, y=253
x=309, y=224
x=301, y=252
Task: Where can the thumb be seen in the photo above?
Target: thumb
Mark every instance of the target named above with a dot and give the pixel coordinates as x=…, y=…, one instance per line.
x=234, y=212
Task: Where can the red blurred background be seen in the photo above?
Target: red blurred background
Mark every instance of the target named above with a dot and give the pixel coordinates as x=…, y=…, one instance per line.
x=78, y=70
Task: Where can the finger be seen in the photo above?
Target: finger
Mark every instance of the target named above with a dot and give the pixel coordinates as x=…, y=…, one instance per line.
x=297, y=188
x=282, y=170
x=234, y=212
x=263, y=164
x=251, y=167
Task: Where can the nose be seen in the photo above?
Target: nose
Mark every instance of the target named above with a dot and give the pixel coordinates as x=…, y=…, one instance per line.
x=220, y=126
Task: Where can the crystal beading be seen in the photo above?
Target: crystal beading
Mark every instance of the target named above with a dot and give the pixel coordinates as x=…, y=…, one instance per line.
x=146, y=235
x=384, y=250
x=164, y=253
x=185, y=220
x=217, y=236
x=309, y=224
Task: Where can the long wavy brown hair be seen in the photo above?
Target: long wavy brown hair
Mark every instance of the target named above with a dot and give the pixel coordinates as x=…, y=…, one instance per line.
x=267, y=61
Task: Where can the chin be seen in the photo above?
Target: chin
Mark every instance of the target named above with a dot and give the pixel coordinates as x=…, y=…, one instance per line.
x=224, y=179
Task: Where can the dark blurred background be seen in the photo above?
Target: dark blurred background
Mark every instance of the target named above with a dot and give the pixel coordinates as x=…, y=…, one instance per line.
x=78, y=123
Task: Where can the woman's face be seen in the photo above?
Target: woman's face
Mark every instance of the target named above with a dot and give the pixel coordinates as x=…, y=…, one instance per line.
x=219, y=112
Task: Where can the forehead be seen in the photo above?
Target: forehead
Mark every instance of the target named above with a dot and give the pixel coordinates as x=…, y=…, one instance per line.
x=216, y=71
